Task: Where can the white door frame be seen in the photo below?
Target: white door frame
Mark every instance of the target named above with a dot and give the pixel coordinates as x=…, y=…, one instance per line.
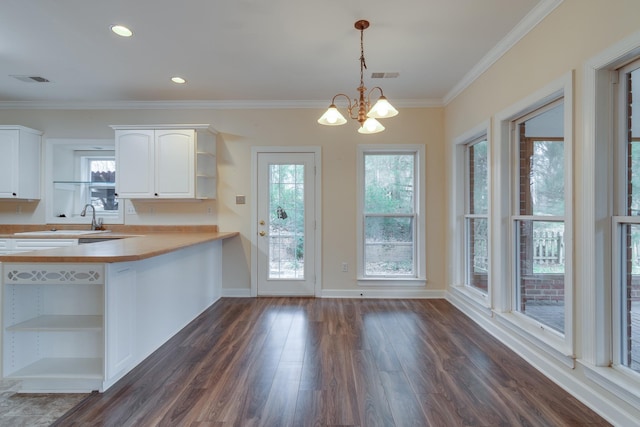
x=317, y=151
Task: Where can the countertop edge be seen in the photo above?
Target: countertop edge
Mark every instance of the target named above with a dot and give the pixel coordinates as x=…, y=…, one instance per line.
x=128, y=248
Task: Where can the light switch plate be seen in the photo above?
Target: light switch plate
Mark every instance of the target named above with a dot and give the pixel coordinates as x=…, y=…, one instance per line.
x=240, y=200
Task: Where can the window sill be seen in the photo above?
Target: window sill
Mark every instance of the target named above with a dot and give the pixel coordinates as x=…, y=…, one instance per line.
x=388, y=281
x=472, y=295
x=625, y=386
x=548, y=340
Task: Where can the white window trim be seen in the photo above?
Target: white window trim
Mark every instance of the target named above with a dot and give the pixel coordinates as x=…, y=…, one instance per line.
x=596, y=228
x=115, y=217
x=458, y=209
x=560, y=346
x=420, y=224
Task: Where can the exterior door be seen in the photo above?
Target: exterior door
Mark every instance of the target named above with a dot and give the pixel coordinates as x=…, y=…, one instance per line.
x=286, y=223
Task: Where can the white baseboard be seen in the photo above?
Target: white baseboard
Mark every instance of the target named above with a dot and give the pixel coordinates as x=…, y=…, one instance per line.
x=236, y=293
x=383, y=293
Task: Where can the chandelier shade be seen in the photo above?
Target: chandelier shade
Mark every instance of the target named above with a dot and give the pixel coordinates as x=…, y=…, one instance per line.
x=371, y=125
x=382, y=109
x=360, y=108
x=332, y=117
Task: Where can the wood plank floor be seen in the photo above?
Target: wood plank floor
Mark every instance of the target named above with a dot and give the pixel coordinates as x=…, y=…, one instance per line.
x=332, y=362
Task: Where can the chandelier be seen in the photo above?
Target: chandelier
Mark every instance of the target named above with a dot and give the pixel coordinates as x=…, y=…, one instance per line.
x=360, y=109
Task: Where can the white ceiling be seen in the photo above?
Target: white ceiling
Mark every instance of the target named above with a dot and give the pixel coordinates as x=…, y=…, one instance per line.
x=251, y=52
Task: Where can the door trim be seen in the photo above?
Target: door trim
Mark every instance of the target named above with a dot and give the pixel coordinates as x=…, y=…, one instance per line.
x=317, y=151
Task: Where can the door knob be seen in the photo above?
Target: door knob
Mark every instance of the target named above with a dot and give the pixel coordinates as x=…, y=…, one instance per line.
x=262, y=222
x=262, y=234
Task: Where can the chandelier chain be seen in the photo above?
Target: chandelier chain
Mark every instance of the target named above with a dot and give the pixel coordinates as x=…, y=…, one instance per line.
x=363, y=64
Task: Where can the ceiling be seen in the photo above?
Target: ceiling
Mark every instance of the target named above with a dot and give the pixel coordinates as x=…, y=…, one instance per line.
x=250, y=52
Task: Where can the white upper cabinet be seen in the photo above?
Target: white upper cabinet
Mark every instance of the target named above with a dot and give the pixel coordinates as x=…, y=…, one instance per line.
x=20, y=149
x=165, y=162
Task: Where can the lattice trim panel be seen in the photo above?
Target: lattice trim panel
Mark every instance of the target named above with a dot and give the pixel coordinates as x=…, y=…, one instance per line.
x=53, y=274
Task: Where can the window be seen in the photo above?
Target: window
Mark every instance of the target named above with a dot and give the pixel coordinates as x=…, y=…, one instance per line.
x=100, y=174
x=538, y=211
x=532, y=274
x=390, y=219
x=81, y=172
x=626, y=283
x=476, y=219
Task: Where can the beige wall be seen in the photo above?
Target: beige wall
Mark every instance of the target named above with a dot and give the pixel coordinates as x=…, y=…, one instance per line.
x=572, y=34
x=239, y=131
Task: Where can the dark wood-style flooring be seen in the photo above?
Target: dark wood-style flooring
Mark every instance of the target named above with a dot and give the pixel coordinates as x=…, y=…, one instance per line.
x=332, y=362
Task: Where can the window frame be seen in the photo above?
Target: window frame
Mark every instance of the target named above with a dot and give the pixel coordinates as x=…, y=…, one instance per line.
x=596, y=272
x=468, y=216
x=419, y=243
x=620, y=219
x=459, y=204
x=560, y=346
x=83, y=147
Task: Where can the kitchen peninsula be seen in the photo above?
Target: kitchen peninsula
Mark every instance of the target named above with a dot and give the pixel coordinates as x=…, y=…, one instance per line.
x=77, y=318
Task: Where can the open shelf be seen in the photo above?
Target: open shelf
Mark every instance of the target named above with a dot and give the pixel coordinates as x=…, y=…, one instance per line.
x=61, y=367
x=60, y=323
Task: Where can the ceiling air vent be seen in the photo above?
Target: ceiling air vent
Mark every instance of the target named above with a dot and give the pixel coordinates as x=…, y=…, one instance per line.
x=31, y=79
x=384, y=75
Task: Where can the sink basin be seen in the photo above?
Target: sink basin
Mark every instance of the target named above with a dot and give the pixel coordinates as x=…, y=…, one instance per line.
x=63, y=232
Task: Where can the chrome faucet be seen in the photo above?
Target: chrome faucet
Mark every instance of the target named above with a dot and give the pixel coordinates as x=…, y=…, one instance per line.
x=95, y=225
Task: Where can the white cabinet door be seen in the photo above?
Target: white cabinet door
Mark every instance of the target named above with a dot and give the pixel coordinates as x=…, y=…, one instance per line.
x=19, y=162
x=8, y=156
x=120, y=303
x=175, y=163
x=135, y=153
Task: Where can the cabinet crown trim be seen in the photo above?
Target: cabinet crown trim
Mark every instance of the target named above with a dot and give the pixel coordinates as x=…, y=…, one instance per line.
x=169, y=126
x=22, y=128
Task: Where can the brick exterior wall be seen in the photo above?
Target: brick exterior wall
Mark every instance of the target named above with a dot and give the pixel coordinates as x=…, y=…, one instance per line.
x=548, y=287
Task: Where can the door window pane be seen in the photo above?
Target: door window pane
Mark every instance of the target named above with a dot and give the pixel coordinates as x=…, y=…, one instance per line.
x=286, y=221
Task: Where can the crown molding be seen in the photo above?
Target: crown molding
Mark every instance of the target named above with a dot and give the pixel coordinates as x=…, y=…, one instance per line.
x=529, y=22
x=193, y=105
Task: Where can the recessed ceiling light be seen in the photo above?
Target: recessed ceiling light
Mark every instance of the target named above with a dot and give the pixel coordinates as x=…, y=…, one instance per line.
x=121, y=30
x=178, y=80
